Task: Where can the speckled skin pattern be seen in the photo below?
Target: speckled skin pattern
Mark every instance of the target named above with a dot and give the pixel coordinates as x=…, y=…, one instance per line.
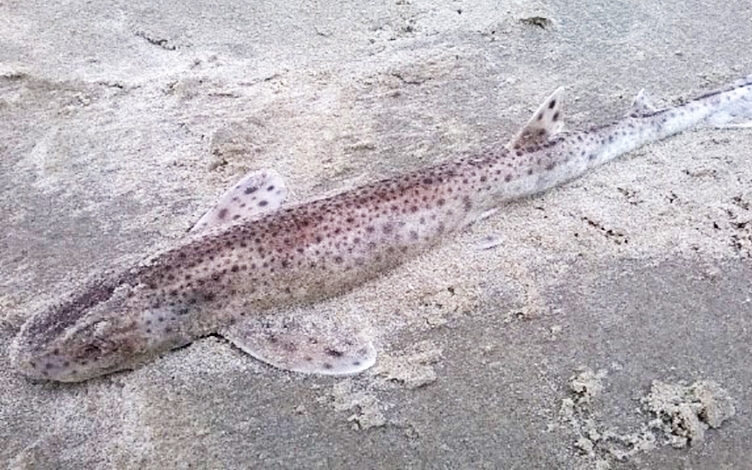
x=316, y=249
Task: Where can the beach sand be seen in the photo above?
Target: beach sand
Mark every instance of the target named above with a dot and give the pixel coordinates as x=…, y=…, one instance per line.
x=609, y=329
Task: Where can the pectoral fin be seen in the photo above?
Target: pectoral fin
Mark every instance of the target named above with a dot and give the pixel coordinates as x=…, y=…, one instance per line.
x=302, y=347
x=256, y=193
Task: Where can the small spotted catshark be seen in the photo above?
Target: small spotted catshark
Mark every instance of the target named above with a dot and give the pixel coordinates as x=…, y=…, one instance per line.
x=248, y=261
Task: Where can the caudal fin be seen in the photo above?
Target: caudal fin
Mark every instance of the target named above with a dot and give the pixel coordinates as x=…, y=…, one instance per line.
x=736, y=113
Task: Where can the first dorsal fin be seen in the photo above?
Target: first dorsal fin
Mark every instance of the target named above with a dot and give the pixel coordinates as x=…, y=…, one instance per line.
x=546, y=122
x=256, y=193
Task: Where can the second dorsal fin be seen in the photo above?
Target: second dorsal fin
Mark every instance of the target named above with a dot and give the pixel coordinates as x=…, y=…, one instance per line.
x=546, y=122
x=641, y=106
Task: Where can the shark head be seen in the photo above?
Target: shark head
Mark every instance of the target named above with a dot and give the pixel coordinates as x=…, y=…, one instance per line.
x=100, y=331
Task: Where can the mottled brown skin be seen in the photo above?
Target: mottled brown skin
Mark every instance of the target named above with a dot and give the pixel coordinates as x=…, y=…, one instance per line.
x=314, y=250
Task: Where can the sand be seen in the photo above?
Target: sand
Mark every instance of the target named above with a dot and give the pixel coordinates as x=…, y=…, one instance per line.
x=608, y=329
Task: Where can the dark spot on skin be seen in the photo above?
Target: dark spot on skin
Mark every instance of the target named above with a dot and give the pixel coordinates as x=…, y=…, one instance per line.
x=308, y=359
x=250, y=190
x=591, y=157
x=552, y=104
x=551, y=166
x=270, y=188
x=556, y=116
x=328, y=366
x=540, y=116
x=508, y=178
x=338, y=259
x=222, y=213
x=263, y=203
x=234, y=268
x=334, y=352
x=236, y=217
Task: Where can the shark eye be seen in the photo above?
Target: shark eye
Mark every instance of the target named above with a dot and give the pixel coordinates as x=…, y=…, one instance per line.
x=100, y=327
x=92, y=350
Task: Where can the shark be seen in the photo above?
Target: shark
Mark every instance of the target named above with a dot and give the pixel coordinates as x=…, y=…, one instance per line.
x=249, y=261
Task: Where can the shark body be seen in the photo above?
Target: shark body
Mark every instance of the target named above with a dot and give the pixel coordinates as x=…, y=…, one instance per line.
x=248, y=257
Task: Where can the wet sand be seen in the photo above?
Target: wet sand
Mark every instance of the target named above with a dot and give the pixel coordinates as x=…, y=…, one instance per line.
x=609, y=329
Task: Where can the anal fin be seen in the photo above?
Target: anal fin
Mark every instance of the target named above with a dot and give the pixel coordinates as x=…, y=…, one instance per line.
x=300, y=346
x=258, y=192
